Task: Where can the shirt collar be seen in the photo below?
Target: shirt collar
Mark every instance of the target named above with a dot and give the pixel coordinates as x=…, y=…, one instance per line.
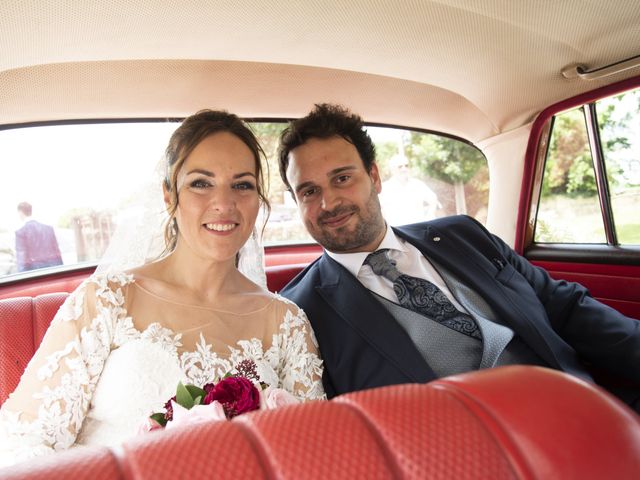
x=353, y=261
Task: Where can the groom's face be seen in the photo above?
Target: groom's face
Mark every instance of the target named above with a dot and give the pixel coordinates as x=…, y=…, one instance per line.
x=337, y=198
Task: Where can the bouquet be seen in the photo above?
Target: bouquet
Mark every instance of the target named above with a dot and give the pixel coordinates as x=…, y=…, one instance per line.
x=233, y=395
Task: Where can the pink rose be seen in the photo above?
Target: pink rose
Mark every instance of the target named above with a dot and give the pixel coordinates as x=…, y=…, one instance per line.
x=148, y=425
x=236, y=394
x=196, y=414
x=276, y=397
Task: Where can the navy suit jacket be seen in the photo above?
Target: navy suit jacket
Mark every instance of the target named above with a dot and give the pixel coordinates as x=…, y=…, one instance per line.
x=363, y=346
x=36, y=246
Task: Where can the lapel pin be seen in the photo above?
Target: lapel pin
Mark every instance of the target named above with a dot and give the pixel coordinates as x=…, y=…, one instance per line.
x=436, y=239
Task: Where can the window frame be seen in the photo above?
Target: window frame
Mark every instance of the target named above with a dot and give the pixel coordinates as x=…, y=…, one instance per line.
x=537, y=149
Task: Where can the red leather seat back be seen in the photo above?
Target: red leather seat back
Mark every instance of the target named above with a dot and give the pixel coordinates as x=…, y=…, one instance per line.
x=23, y=323
x=551, y=424
x=319, y=441
x=16, y=341
x=220, y=450
x=98, y=463
x=45, y=308
x=315, y=441
x=431, y=435
x=508, y=423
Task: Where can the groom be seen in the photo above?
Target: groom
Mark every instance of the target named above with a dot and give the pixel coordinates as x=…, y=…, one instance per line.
x=414, y=303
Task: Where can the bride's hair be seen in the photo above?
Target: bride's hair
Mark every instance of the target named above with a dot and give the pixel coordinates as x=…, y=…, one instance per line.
x=190, y=133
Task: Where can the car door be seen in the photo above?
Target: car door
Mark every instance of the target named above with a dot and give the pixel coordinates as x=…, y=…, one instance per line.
x=580, y=210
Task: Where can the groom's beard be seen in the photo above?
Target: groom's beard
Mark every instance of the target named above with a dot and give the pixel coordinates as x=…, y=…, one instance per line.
x=350, y=237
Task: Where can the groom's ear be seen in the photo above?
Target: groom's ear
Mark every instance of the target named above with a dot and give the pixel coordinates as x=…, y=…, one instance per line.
x=374, y=174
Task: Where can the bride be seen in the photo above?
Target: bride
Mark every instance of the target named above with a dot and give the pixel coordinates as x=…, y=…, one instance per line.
x=121, y=342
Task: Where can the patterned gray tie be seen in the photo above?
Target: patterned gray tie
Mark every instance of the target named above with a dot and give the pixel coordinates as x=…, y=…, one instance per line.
x=422, y=296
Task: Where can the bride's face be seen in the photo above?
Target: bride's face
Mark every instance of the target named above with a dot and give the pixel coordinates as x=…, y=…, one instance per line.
x=217, y=197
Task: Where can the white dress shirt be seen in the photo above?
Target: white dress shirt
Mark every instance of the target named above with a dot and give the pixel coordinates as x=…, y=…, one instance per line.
x=408, y=259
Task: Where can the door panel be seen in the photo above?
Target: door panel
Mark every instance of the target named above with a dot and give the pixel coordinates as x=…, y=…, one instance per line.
x=615, y=285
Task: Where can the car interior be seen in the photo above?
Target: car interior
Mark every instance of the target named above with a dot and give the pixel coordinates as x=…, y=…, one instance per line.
x=542, y=100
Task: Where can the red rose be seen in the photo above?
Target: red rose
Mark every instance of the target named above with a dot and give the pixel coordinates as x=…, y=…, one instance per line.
x=236, y=394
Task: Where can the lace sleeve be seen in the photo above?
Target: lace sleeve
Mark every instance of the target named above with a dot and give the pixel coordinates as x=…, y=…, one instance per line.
x=45, y=412
x=301, y=366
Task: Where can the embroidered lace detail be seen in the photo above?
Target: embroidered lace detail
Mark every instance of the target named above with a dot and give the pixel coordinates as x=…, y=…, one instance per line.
x=287, y=363
x=156, y=333
x=92, y=322
x=69, y=375
x=72, y=308
x=203, y=365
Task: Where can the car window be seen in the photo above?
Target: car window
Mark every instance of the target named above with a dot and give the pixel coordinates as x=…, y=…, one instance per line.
x=78, y=179
x=619, y=121
x=426, y=176
x=73, y=184
x=591, y=181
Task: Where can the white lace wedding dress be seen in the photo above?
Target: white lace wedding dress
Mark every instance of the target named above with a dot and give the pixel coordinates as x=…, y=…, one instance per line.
x=115, y=352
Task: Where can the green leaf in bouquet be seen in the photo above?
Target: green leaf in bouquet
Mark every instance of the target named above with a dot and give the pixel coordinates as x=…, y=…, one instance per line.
x=183, y=396
x=195, y=392
x=197, y=400
x=159, y=417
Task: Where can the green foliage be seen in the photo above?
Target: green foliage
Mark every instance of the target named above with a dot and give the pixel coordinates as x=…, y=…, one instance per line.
x=444, y=158
x=611, y=135
x=159, y=417
x=581, y=178
x=197, y=393
x=183, y=396
x=546, y=234
x=189, y=395
x=569, y=148
x=569, y=168
x=384, y=152
x=629, y=234
x=268, y=134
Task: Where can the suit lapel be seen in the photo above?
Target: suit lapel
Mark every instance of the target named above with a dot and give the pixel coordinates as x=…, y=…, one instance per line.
x=359, y=308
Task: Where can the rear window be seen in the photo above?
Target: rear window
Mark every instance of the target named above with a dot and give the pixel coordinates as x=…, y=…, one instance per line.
x=82, y=180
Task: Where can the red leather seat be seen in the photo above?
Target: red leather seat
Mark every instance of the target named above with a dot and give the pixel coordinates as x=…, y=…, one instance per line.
x=279, y=275
x=508, y=423
x=23, y=323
